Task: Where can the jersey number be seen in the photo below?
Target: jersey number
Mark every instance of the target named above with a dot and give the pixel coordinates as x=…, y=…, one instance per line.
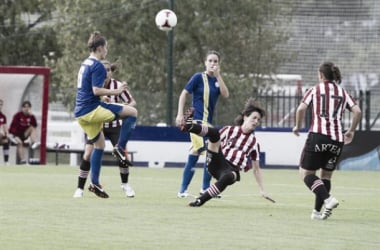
x=80, y=76
x=337, y=104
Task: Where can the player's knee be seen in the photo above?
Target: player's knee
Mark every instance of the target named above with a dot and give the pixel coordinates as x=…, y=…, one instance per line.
x=85, y=165
x=213, y=135
x=228, y=178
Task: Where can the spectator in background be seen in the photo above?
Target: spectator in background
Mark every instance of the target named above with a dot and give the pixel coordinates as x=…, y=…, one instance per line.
x=205, y=88
x=23, y=127
x=4, y=134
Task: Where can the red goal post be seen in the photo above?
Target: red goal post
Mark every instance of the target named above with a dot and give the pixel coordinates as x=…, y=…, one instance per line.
x=36, y=71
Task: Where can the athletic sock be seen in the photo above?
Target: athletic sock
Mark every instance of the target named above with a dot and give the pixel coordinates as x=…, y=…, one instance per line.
x=84, y=169
x=6, y=152
x=206, y=195
x=204, y=131
x=316, y=186
x=188, y=172
x=127, y=127
x=124, y=173
x=96, y=163
x=318, y=201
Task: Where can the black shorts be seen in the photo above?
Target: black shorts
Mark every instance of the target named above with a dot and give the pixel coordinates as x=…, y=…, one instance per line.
x=21, y=136
x=218, y=165
x=320, y=152
x=112, y=134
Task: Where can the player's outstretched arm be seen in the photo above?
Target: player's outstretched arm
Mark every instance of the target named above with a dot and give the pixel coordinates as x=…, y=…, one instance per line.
x=259, y=180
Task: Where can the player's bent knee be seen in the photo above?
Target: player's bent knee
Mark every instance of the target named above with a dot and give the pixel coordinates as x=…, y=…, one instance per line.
x=128, y=111
x=228, y=178
x=213, y=135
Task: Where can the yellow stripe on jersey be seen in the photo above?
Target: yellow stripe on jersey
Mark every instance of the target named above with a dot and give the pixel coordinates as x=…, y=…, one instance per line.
x=206, y=94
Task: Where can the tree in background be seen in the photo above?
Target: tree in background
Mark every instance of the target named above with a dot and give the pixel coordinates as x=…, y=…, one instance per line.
x=26, y=36
x=247, y=33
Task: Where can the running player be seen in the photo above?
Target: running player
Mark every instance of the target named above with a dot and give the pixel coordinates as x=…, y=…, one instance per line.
x=91, y=112
x=111, y=132
x=230, y=150
x=205, y=88
x=325, y=140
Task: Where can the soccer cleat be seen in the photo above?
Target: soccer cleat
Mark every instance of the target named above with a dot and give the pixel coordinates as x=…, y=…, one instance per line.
x=78, y=193
x=35, y=145
x=196, y=203
x=183, y=194
x=315, y=215
x=187, y=119
x=98, y=190
x=330, y=204
x=129, y=192
x=120, y=155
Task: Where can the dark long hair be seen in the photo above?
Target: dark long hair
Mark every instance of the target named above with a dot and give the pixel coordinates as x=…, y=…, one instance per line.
x=250, y=106
x=96, y=40
x=331, y=72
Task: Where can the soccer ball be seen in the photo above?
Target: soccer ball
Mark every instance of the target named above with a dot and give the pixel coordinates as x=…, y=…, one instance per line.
x=166, y=20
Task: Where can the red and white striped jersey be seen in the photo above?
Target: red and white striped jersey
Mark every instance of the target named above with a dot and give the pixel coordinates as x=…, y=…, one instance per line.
x=124, y=97
x=239, y=148
x=328, y=100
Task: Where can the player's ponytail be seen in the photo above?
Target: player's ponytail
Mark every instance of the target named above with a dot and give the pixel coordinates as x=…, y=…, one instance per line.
x=331, y=72
x=336, y=74
x=96, y=40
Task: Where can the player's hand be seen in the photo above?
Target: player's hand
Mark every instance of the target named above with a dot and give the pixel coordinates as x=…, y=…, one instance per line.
x=215, y=70
x=106, y=99
x=265, y=196
x=296, y=131
x=348, y=136
x=179, y=120
x=123, y=86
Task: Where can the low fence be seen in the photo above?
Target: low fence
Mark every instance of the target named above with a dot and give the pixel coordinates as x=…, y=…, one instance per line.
x=281, y=109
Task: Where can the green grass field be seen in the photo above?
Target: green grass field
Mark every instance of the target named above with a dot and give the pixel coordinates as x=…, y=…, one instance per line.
x=37, y=211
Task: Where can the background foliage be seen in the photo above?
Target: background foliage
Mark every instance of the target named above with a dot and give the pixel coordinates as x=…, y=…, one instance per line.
x=24, y=36
x=246, y=33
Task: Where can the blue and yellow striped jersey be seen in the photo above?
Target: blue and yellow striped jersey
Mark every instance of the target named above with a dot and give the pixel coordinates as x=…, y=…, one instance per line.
x=205, y=91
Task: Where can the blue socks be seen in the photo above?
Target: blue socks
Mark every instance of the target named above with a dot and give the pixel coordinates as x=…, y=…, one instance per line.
x=188, y=172
x=96, y=162
x=129, y=124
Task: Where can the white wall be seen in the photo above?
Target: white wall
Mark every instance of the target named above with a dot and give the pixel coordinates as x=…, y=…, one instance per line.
x=281, y=148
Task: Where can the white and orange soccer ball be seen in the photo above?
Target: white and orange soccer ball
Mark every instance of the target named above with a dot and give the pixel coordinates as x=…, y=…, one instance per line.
x=166, y=20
